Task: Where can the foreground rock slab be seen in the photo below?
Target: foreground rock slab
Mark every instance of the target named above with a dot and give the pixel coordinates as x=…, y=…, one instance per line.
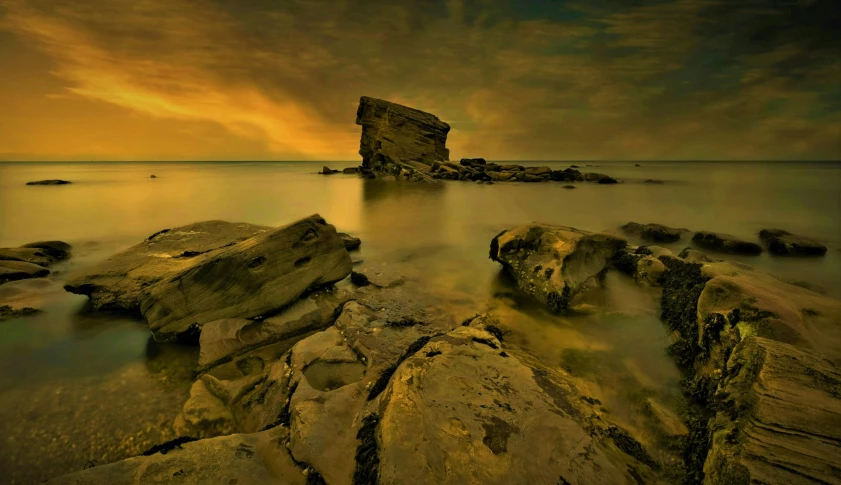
x=119, y=282
x=554, y=263
x=254, y=277
x=235, y=459
x=19, y=270
x=785, y=243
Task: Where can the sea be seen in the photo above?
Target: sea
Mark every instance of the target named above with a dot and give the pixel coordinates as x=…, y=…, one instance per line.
x=81, y=389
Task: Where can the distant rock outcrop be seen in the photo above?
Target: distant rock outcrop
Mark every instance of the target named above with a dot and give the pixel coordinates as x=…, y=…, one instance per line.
x=48, y=182
x=395, y=136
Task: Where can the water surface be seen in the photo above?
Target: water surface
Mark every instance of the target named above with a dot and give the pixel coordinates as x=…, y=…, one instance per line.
x=78, y=388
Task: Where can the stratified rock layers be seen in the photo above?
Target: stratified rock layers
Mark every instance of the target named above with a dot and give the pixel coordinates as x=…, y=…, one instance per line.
x=393, y=134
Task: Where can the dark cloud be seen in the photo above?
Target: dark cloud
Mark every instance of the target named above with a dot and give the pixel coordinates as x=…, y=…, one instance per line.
x=539, y=79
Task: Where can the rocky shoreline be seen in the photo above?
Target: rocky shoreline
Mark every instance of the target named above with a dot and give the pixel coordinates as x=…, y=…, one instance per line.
x=310, y=372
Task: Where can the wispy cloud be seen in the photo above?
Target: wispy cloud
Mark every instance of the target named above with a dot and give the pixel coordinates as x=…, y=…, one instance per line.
x=672, y=79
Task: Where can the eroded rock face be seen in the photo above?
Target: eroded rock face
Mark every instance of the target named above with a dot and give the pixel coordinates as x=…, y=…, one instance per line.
x=235, y=459
x=785, y=243
x=779, y=418
x=518, y=426
x=554, y=263
x=747, y=340
x=257, y=276
x=118, y=283
x=393, y=133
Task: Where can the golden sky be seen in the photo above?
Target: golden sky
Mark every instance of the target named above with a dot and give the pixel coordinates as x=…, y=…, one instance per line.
x=517, y=79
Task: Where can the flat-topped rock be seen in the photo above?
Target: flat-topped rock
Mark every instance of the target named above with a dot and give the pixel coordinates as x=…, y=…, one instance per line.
x=554, y=263
x=118, y=282
x=251, y=278
x=785, y=243
x=49, y=182
x=725, y=243
x=653, y=232
x=393, y=133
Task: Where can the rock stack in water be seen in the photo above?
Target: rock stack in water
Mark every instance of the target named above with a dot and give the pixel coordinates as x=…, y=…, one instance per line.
x=397, y=140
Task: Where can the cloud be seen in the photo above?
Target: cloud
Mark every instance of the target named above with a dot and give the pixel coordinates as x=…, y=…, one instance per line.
x=594, y=80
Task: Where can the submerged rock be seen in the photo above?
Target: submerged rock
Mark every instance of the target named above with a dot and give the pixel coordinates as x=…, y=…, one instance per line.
x=350, y=241
x=786, y=243
x=393, y=133
x=8, y=312
x=48, y=182
x=653, y=232
x=19, y=270
x=42, y=253
x=725, y=243
x=554, y=263
x=257, y=276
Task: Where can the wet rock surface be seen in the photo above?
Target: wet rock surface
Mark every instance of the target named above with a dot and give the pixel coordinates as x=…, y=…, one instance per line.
x=19, y=270
x=183, y=278
x=785, y=243
x=119, y=282
x=554, y=263
x=725, y=243
x=255, y=277
x=654, y=232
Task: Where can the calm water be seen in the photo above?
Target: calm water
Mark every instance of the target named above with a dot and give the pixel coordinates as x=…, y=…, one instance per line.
x=76, y=387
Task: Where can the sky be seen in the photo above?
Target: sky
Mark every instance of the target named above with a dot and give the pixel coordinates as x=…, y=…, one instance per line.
x=516, y=79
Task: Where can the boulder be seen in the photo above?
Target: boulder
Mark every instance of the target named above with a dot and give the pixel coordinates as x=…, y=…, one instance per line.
x=393, y=133
x=152, y=176
x=252, y=278
x=725, y=243
x=327, y=170
x=350, y=241
x=118, y=283
x=8, y=312
x=350, y=170
x=19, y=270
x=42, y=253
x=469, y=162
x=785, y=243
x=511, y=168
x=779, y=418
x=204, y=415
x=643, y=264
x=694, y=255
x=554, y=263
x=240, y=458
x=539, y=171
x=48, y=182
x=502, y=176
x=461, y=410
x=605, y=180
x=653, y=232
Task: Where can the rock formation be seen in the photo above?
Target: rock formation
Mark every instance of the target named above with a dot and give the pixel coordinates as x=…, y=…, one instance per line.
x=180, y=279
x=395, y=137
x=48, y=182
x=785, y=243
x=26, y=262
x=725, y=243
x=653, y=232
x=554, y=263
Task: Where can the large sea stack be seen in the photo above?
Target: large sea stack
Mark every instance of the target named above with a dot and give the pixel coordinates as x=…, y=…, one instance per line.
x=395, y=137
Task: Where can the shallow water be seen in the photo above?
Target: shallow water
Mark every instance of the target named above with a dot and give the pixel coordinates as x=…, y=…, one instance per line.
x=76, y=387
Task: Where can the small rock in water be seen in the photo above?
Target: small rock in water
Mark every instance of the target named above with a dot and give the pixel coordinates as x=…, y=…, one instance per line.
x=569, y=186
x=48, y=182
x=725, y=243
x=785, y=243
x=327, y=170
x=350, y=241
x=653, y=181
x=152, y=176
